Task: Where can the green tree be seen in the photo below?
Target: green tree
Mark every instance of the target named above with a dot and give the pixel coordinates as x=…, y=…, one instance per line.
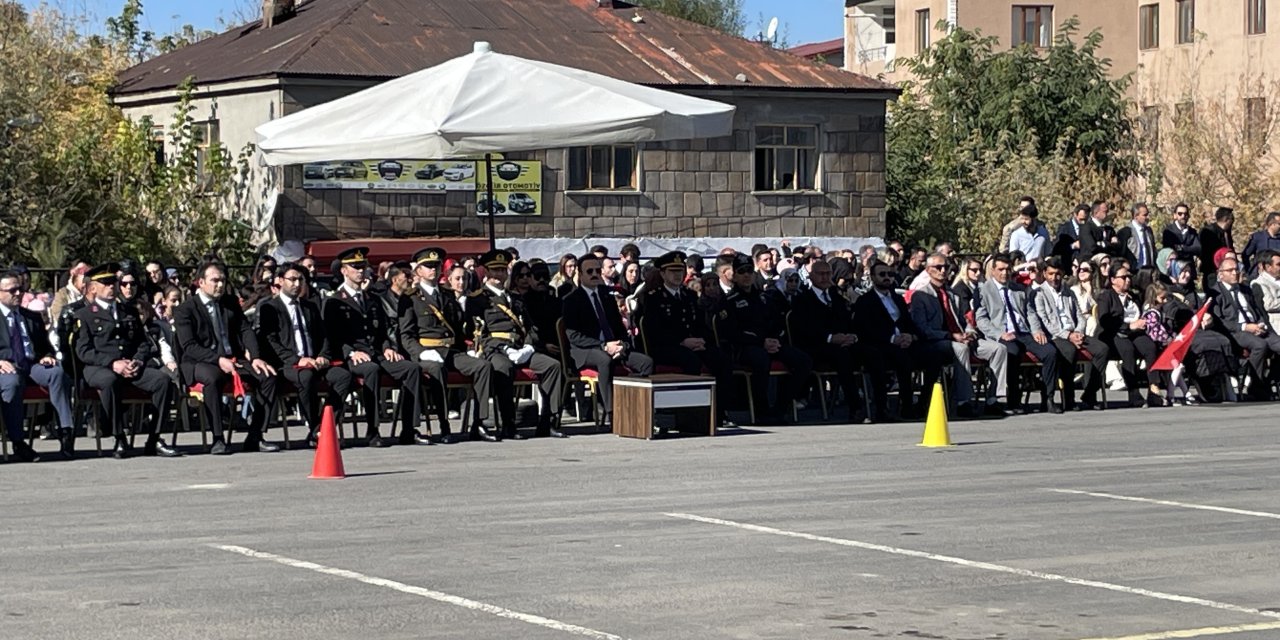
x=970, y=106
x=725, y=15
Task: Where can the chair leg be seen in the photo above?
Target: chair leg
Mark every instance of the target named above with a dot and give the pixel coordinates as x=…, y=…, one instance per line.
x=822, y=397
x=284, y=421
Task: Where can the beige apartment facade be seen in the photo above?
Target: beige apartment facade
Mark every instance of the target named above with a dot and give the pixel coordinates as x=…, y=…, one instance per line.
x=1194, y=53
x=881, y=33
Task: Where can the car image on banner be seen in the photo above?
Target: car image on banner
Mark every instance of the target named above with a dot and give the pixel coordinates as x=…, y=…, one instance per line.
x=522, y=203
x=459, y=172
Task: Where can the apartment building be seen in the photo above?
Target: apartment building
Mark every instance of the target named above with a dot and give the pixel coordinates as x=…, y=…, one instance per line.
x=1192, y=53
x=879, y=33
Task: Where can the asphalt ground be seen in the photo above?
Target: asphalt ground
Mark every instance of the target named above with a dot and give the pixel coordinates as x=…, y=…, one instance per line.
x=838, y=531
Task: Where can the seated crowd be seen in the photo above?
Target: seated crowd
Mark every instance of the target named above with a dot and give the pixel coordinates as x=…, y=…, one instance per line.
x=993, y=327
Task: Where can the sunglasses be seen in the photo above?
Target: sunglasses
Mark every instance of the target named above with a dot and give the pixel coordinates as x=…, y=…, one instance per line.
x=128, y=283
x=12, y=290
x=1126, y=277
x=591, y=271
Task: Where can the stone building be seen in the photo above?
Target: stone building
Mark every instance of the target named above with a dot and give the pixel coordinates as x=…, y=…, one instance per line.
x=806, y=158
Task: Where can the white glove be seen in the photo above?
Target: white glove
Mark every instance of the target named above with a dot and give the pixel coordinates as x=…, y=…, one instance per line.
x=519, y=356
x=431, y=355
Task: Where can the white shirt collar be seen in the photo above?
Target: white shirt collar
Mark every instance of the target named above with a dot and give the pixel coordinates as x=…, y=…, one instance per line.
x=501, y=292
x=675, y=291
x=725, y=289
x=205, y=299
x=428, y=287
x=288, y=300
x=346, y=286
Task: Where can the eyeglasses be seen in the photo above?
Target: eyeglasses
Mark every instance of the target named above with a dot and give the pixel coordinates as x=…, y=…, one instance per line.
x=591, y=271
x=128, y=283
x=1231, y=270
x=939, y=267
x=975, y=269
x=13, y=291
x=1123, y=277
x=293, y=279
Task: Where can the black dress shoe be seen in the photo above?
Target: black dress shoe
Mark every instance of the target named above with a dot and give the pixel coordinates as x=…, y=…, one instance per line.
x=1054, y=408
x=157, y=447
x=313, y=440
x=488, y=432
x=447, y=438
x=994, y=410
x=514, y=434
x=260, y=445
x=122, y=449
x=25, y=453
x=220, y=448
x=67, y=440
x=377, y=442
x=413, y=437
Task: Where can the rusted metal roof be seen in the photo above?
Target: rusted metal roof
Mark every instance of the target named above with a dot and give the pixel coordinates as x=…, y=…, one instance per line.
x=815, y=48
x=382, y=39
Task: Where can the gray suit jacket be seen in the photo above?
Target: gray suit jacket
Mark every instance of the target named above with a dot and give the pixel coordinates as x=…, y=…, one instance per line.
x=1059, y=321
x=926, y=312
x=991, y=314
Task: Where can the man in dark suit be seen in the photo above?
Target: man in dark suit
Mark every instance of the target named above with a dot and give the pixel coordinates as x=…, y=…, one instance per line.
x=822, y=327
x=292, y=332
x=112, y=344
x=754, y=329
x=215, y=341
x=1180, y=236
x=359, y=331
x=432, y=331
x=1102, y=236
x=1265, y=239
x=1070, y=234
x=27, y=356
x=1238, y=314
x=597, y=338
x=891, y=338
x=1137, y=240
x=505, y=333
x=676, y=334
x=1215, y=235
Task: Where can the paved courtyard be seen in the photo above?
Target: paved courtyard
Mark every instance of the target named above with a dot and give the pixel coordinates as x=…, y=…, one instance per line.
x=1122, y=524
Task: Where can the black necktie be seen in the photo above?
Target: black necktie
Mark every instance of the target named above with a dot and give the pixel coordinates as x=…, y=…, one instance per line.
x=605, y=329
x=302, y=329
x=15, y=340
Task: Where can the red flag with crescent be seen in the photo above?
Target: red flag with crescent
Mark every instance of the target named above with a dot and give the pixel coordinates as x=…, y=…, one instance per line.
x=1176, y=352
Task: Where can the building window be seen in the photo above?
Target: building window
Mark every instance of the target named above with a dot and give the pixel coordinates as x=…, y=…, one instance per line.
x=922, y=30
x=1149, y=26
x=1255, y=120
x=1184, y=113
x=889, y=22
x=1033, y=26
x=603, y=167
x=1186, y=21
x=786, y=158
x=207, y=137
x=157, y=146
x=1255, y=16
x=1150, y=123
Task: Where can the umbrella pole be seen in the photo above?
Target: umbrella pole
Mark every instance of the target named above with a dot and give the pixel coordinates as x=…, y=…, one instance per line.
x=489, y=203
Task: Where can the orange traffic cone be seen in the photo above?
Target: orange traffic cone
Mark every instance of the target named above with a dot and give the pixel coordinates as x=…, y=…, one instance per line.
x=328, y=464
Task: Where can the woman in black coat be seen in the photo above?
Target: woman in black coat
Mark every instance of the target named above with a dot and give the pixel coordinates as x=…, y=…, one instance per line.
x=1121, y=327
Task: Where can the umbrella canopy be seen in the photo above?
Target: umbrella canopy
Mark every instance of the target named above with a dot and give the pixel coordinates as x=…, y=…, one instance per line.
x=488, y=102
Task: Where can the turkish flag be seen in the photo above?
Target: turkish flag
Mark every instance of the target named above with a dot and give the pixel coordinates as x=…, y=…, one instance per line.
x=1176, y=352
x=237, y=384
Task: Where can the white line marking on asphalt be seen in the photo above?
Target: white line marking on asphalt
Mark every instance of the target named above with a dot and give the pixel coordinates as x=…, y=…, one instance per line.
x=1170, y=503
x=213, y=486
x=419, y=591
x=1026, y=573
x=1198, y=633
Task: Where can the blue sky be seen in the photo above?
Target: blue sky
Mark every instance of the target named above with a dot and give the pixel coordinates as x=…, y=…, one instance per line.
x=803, y=20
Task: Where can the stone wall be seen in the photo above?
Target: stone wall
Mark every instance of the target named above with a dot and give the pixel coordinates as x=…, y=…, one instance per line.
x=695, y=188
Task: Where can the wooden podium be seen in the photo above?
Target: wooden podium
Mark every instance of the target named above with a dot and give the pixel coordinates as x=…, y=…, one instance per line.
x=636, y=399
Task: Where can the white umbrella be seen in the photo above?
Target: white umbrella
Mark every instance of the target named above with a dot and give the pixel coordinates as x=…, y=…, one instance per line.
x=488, y=102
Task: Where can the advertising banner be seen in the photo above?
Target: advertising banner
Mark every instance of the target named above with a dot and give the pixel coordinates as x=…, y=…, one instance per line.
x=517, y=188
x=409, y=175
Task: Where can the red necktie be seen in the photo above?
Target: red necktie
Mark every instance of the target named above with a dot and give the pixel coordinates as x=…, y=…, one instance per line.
x=953, y=326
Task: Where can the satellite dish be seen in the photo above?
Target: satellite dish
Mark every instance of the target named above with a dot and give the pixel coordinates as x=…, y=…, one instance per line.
x=772, y=31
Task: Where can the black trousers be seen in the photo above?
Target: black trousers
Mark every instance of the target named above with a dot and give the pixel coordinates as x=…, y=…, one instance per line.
x=408, y=378
x=550, y=384
x=1046, y=353
x=307, y=382
x=844, y=361
x=760, y=362
x=261, y=389
x=1260, y=349
x=478, y=370
x=692, y=363
x=883, y=359
x=1095, y=371
x=1129, y=348
x=112, y=387
x=639, y=364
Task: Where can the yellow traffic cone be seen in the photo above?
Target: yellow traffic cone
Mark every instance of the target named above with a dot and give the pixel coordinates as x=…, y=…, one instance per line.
x=935, y=427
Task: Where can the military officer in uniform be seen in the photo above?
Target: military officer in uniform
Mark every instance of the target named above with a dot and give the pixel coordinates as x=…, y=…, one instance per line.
x=431, y=331
x=505, y=333
x=112, y=344
x=358, y=329
x=754, y=330
x=676, y=335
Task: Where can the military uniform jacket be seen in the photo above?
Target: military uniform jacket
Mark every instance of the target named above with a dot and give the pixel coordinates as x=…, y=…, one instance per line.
x=504, y=320
x=746, y=319
x=670, y=319
x=356, y=326
x=102, y=339
x=432, y=317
